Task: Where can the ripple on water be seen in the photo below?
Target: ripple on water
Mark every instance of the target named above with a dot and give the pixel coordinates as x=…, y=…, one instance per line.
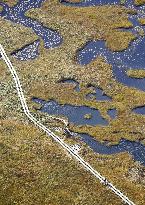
x=28, y=52
x=16, y=14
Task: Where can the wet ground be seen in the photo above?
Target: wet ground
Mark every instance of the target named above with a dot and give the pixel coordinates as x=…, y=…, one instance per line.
x=76, y=115
x=132, y=58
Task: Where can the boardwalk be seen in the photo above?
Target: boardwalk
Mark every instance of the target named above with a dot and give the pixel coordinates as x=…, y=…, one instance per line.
x=65, y=146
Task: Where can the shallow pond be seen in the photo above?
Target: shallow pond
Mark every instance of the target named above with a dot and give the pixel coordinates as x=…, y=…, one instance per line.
x=112, y=113
x=139, y=110
x=97, y=93
x=76, y=114
x=71, y=81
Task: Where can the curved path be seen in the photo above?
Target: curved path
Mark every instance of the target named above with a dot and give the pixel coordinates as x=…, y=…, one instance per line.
x=66, y=147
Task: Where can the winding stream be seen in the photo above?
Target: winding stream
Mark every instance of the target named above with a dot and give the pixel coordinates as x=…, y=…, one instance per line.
x=136, y=149
x=16, y=14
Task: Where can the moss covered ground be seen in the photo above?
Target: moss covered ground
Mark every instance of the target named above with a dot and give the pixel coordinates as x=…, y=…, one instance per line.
x=34, y=169
x=77, y=25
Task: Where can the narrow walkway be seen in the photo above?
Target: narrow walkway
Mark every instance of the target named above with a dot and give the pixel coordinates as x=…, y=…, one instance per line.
x=85, y=164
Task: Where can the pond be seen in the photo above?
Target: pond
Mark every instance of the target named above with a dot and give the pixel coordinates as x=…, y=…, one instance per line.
x=71, y=81
x=75, y=114
x=97, y=93
x=78, y=115
x=28, y=52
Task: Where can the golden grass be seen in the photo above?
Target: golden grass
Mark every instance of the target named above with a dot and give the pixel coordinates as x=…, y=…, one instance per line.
x=40, y=79
x=10, y=2
x=35, y=170
x=13, y=36
x=136, y=73
x=139, y=2
x=141, y=21
x=119, y=40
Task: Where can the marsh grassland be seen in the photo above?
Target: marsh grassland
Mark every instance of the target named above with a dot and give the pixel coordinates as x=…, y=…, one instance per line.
x=34, y=169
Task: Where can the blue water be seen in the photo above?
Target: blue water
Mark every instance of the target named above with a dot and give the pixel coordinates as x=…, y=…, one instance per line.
x=75, y=114
x=39, y=101
x=136, y=149
x=87, y=3
x=112, y=113
x=28, y=52
x=99, y=95
x=139, y=110
x=71, y=81
x=16, y=14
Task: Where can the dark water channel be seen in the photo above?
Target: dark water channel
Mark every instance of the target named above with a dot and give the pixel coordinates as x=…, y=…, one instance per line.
x=136, y=149
x=139, y=110
x=86, y=3
x=28, y=52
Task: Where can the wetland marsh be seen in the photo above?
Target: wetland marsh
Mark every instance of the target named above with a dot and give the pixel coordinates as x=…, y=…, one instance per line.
x=79, y=61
